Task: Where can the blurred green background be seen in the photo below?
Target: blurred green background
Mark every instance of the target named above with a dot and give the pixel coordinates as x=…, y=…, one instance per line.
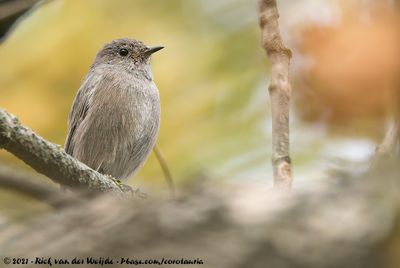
x=212, y=77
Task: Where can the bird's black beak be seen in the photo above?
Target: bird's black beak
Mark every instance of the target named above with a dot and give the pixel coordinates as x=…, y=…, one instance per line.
x=152, y=50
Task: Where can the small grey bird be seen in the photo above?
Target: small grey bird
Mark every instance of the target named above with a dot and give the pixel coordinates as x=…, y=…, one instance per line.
x=115, y=117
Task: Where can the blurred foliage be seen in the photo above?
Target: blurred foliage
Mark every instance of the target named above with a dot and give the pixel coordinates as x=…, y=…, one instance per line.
x=355, y=63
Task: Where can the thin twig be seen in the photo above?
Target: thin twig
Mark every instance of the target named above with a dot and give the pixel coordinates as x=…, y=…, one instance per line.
x=165, y=169
x=280, y=91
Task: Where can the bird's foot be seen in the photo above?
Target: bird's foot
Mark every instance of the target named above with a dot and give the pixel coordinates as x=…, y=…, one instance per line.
x=116, y=181
x=128, y=189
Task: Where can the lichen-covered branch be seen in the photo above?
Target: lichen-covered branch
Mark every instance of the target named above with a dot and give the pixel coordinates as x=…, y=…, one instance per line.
x=280, y=91
x=50, y=159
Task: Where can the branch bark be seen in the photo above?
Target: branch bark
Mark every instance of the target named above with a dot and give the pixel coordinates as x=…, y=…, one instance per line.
x=280, y=91
x=27, y=184
x=50, y=159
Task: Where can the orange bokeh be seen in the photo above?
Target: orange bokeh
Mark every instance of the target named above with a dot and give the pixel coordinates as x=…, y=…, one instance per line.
x=356, y=64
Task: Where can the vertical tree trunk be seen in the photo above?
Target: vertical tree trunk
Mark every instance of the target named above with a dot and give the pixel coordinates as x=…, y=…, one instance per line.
x=280, y=91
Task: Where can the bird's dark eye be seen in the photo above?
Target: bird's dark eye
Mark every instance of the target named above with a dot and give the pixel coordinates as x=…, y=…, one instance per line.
x=123, y=52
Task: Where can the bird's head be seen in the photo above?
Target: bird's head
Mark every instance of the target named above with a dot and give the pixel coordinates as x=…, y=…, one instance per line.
x=125, y=51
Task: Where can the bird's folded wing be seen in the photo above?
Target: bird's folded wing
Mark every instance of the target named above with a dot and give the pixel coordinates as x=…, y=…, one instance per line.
x=79, y=110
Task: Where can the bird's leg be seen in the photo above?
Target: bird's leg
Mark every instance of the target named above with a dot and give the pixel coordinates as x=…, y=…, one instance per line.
x=126, y=188
x=115, y=180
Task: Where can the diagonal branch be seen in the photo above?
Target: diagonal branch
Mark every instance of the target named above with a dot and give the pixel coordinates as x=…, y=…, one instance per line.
x=26, y=184
x=50, y=159
x=11, y=11
x=280, y=91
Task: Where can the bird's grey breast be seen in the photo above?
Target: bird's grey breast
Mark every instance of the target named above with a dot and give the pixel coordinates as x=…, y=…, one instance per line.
x=127, y=105
x=129, y=99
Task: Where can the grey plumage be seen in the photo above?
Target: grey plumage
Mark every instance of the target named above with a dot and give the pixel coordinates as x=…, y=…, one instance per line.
x=115, y=117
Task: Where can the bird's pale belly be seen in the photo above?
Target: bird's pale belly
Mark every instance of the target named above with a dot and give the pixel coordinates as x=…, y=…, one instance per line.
x=134, y=136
